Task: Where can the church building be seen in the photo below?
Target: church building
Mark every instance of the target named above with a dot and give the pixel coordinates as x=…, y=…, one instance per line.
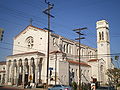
x=28, y=63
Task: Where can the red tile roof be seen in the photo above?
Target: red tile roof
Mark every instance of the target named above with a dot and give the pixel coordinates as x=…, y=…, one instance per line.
x=2, y=71
x=81, y=63
x=3, y=63
x=93, y=60
x=29, y=53
x=55, y=52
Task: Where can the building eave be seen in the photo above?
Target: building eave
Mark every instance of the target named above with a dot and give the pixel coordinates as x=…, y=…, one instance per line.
x=93, y=60
x=27, y=53
x=81, y=63
x=3, y=63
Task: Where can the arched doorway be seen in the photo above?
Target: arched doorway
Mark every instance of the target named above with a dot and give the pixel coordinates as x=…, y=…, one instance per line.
x=26, y=69
x=20, y=71
x=40, y=68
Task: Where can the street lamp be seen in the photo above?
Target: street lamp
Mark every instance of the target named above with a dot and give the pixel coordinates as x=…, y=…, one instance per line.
x=78, y=31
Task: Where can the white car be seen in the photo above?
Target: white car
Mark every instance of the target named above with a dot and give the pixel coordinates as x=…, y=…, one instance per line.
x=60, y=87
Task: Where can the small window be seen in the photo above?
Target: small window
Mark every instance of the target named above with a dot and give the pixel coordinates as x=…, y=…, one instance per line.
x=54, y=41
x=99, y=36
x=102, y=36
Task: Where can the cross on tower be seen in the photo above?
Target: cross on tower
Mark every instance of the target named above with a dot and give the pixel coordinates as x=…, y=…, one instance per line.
x=31, y=20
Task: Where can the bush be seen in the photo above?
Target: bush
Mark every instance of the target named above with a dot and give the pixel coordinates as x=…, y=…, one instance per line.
x=74, y=85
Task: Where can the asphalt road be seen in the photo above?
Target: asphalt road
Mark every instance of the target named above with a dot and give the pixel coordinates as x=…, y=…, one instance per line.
x=15, y=88
x=9, y=88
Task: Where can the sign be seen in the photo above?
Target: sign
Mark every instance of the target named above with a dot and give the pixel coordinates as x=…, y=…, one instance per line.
x=93, y=86
x=50, y=68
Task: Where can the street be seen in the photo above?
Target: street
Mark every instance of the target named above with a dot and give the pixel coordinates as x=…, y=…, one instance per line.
x=15, y=88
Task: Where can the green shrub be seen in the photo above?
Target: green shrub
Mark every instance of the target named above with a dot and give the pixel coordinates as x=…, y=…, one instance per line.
x=74, y=85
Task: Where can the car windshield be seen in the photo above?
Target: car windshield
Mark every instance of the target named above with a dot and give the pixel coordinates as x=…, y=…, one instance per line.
x=57, y=85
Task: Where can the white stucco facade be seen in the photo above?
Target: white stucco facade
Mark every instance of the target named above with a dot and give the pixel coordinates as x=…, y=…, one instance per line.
x=2, y=72
x=29, y=60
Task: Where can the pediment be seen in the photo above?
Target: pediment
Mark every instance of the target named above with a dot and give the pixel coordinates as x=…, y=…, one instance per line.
x=30, y=27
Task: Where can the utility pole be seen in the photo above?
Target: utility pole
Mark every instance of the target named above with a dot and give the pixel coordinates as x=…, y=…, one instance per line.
x=78, y=31
x=47, y=12
x=1, y=34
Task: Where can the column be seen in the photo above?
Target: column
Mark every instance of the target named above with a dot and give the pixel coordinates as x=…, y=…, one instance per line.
x=29, y=72
x=12, y=75
x=36, y=74
x=23, y=75
x=7, y=73
x=15, y=77
x=18, y=70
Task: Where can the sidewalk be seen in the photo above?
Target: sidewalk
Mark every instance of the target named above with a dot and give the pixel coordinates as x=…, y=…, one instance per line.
x=21, y=88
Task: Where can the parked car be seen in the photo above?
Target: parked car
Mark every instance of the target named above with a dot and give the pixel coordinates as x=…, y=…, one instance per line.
x=60, y=87
x=105, y=88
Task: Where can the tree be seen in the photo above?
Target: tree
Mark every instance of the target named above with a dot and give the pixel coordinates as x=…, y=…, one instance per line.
x=114, y=76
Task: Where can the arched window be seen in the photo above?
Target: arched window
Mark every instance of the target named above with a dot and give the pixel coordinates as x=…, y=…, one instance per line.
x=77, y=51
x=20, y=62
x=90, y=54
x=32, y=61
x=41, y=59
x=102, y=72
x=64, y=48
x=99, y=36
x=81, y=51
x=102, y=35
x=15, y=63
x=9, y=62
x=70, y=49
x=26, y=61
x=107, y=36
x=67, y=48
x=29, y=42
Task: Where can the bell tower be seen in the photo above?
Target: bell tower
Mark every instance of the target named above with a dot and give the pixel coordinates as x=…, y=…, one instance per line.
x=103, y=47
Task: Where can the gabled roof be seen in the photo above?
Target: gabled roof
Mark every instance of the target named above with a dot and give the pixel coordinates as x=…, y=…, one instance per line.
x=27, y=27
x=81, y=63
x=93, y=60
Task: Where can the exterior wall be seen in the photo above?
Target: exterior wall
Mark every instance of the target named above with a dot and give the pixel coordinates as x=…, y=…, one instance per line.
x=23, y=64
x=39, y=41
x=63, y=73
x=103, y=44
x=69, y=50
x=86, y=74
x=2, y=73
x=94, y=69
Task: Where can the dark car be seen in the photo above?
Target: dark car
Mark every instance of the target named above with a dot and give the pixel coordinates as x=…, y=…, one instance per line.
x=60, y=87
x=105, y=88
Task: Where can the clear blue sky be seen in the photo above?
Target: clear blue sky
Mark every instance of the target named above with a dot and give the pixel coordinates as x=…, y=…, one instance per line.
x=69, y=15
